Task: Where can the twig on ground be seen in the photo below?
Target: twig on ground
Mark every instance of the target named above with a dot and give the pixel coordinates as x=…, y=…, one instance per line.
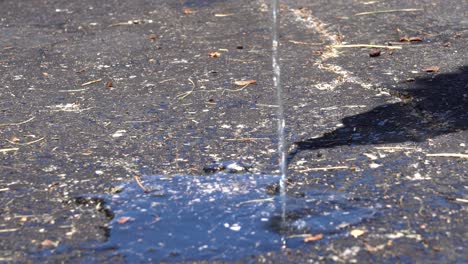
x=327, y=168
x=389, y=11
x=73, y=91
x=365, y=46
x=395, y=148
x=449, y=155
x=91, y=82
x=9, y=230
x=138, y=181
x=256, y=201
x=245, y=139
x=183, y=95
x=17, y=124
x=305, y=43
x=27, y=143
x=223, y=15
x=5, y=150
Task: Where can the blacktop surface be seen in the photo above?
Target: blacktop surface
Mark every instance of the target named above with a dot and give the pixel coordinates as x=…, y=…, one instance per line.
x=94, y=93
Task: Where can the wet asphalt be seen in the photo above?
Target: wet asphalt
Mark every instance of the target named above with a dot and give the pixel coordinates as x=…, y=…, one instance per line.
x=94, y=93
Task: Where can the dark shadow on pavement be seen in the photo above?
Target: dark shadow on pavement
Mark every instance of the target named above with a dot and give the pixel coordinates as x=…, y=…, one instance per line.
x=431, y=106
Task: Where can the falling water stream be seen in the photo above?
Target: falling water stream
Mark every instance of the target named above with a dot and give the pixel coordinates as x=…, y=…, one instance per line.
x=281, y=119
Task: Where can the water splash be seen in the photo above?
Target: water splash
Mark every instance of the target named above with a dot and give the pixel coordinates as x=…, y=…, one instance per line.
x=280, y=113
x=224, y=217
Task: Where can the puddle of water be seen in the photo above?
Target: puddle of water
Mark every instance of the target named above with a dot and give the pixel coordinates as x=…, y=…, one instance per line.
x=220, y=217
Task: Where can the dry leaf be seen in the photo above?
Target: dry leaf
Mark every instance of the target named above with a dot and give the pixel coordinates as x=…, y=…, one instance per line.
x=371, y=248
x=109, y=84
x=358, y=232
x=49, y=243
x=244, y=83
x=15, y=139
x=431, y=69
x=187, y=11
x=408, y=39
x=415, y=39
x=124, y=219
x=374, y=53
x=313, y=238
x=403, y=39
x=214, y=54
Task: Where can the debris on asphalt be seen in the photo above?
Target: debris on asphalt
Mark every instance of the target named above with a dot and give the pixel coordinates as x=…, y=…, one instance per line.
x=374, y=52
x=49, y=243
x=431, y=69
x=227, y=166
x=214, y=54
x=389, y=11
x=133, y=22
x=17, y=124
x=138, y=181
x=357, y=232
x=374, y=249
x=312, y=238
x=183, y=95
x=256, y=201
x=5, y=150
x=91, y=82
x=305, y=43
x=27, y=143
x=119, y=133
x=410, y=39
x=187, y=11
x=448, y=155
x=364, y=46
x=124, y=219
x=223, y=15
x=245, y=83
x=327, y=168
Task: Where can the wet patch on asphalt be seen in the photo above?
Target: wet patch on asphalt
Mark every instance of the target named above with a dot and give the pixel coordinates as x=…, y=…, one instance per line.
x=222, y=217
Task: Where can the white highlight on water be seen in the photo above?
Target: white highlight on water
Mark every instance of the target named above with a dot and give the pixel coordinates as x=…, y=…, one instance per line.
x=280, y=113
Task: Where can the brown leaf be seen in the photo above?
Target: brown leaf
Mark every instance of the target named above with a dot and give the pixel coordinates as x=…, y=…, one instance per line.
x=109, y=84
x=415, y=39
x=244, y=83
x=214, y=54
x=152, y=37
x=49, y=243
x=15, y=139
x=313, y=238
x=373, y=249
x=404, y=39
x=187, y=11
x=408, y=39
x=357, y=232
x=431, y=69
x=437, y=248
x=124, y=219
x=375, y=53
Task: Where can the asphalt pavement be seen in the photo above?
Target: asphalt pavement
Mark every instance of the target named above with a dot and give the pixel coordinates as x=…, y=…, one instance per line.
x=94, y=93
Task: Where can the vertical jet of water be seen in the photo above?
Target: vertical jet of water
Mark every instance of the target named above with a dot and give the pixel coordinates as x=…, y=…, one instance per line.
x=280, y=113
